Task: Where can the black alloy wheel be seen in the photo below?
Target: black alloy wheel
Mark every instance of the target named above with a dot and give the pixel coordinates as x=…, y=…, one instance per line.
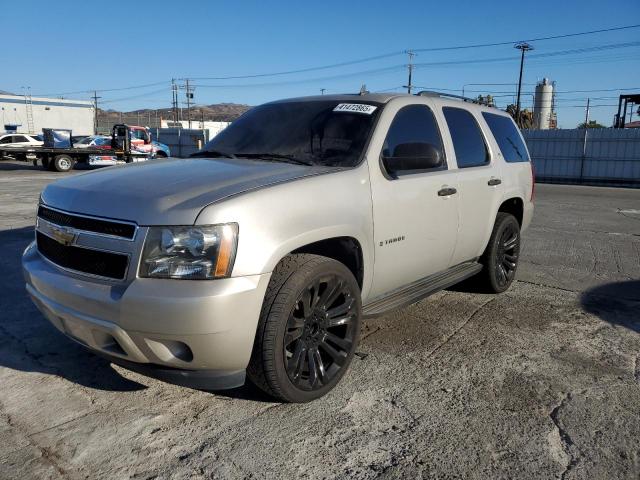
x=308, y=330
x=506, y=258
x=320, y=333
x=500, y=258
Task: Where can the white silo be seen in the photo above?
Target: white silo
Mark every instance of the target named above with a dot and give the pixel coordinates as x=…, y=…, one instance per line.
x=543, y=105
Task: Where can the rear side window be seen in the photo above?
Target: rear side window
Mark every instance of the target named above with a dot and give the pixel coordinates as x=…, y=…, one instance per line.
x=468, y=142
x=508, y=137
x=20, y=139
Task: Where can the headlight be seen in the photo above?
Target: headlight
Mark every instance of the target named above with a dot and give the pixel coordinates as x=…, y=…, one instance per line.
x=195, y=253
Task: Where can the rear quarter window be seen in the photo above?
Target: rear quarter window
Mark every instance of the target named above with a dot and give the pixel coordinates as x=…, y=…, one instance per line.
x=508, y=137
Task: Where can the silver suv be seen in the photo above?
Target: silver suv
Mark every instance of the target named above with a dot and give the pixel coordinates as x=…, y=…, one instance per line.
x=261, y=255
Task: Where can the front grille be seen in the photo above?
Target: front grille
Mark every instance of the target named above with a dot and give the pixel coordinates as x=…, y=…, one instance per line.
x=105, y=227
x=93, y=262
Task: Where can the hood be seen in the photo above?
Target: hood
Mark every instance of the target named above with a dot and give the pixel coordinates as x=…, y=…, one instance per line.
x=167, y=192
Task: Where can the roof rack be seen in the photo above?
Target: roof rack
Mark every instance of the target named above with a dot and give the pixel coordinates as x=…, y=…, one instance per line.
x=433, y=93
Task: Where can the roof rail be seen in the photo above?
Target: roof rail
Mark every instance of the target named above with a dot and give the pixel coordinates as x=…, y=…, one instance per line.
x=433, y=93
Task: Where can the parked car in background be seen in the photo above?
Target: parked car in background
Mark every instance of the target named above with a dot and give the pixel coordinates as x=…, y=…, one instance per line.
x=17, y=140
x=160, y=149
x=22, y=139
x=104, y=142
x=78, y=138
x=96, y=141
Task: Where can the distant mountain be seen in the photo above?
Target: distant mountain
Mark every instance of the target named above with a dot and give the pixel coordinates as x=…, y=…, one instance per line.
x=2, y=92
x=219, y=112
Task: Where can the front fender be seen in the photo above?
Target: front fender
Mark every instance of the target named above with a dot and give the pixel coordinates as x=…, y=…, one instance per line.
x=277, y=220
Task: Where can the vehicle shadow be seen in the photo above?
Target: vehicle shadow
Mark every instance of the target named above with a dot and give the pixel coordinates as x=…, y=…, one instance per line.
x=29, y=343
x=617, y=303
x=12, y=165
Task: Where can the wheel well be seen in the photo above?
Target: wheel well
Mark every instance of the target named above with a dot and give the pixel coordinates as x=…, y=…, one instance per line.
x=514, y=206
x=345, y=250
x=161, y=153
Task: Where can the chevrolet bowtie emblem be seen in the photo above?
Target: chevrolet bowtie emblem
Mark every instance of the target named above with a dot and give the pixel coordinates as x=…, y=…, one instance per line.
x=63, y=235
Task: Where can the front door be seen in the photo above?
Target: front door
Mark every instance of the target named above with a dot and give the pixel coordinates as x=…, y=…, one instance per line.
x=415, y=202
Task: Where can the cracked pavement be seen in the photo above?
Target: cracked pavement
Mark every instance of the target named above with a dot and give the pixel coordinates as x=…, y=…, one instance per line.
x=539, y=382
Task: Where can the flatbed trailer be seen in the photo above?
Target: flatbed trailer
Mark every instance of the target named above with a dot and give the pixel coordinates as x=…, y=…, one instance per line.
x=63, y=159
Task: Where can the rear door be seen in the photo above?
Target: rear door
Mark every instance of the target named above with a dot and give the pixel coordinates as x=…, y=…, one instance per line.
x=415, y=210
x=479, y=180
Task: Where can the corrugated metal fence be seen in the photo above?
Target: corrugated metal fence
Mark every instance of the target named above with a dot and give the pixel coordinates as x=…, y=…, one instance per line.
x=602, y=156
x=182, y=142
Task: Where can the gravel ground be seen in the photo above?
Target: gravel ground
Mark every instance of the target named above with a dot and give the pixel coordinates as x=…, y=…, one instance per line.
x=540, y=382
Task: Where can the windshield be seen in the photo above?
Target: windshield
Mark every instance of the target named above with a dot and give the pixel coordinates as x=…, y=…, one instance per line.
x=314, y=132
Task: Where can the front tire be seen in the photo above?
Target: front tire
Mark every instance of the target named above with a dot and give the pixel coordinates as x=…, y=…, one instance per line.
x=308, y=330
x=500, y=259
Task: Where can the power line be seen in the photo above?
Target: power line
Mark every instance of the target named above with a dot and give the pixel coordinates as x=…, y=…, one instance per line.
x=419, y=65
x=382, y=56
x=103, y=90
x=430, y=49
x=539, y=39
x=132, y=97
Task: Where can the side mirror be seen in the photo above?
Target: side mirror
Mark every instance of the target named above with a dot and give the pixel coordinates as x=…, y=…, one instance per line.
x=413, y=156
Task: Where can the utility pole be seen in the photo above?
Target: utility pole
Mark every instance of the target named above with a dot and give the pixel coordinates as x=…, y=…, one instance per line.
x=174, y=100
x=322, y=91
x=523, y=47
x=95, y=112
x=586, y=117
x=189, y=95
x=410, y=68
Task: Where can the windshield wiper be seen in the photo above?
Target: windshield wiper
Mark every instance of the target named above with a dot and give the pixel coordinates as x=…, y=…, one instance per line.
x=212, y=153
x=276, y=157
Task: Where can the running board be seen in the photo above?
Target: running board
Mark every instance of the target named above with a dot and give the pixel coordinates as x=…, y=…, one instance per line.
x=418, y=290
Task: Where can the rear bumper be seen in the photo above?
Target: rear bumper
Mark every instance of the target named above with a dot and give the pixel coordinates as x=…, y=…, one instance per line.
x=194, y=333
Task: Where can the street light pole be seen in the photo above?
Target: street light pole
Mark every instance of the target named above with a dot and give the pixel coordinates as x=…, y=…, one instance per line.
x=523, y=47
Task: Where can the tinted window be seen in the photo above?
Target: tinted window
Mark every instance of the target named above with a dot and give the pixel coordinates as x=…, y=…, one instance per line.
x=139, y=134
x=466, y=136
x=508, y=137
x=413, y=124
x=5, y=140
x=314, y=132
x=19, y=139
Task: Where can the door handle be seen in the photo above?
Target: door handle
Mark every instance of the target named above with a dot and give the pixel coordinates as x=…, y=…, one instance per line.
x=446, y=191
x=494, y=181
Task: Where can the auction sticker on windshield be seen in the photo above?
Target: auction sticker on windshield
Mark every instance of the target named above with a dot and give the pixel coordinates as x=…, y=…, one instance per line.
x=355, y=108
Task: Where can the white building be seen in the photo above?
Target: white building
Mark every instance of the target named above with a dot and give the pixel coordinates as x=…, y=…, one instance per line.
x=213, y=128
x=32, y=114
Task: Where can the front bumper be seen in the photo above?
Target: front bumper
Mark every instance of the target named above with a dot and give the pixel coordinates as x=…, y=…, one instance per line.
x=195, y=333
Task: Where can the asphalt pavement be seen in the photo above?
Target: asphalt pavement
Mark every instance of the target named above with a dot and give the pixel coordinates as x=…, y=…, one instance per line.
x=542, y=381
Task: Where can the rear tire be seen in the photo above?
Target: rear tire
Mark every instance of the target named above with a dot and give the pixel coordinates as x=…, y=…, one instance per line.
x=308, y=330
x=63, y=163
x=500, y=259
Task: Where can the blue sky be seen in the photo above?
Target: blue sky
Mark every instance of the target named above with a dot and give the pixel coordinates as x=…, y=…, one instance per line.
x=75, y=46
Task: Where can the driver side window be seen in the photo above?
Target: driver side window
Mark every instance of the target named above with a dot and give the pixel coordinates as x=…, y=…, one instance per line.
x=413, y=143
